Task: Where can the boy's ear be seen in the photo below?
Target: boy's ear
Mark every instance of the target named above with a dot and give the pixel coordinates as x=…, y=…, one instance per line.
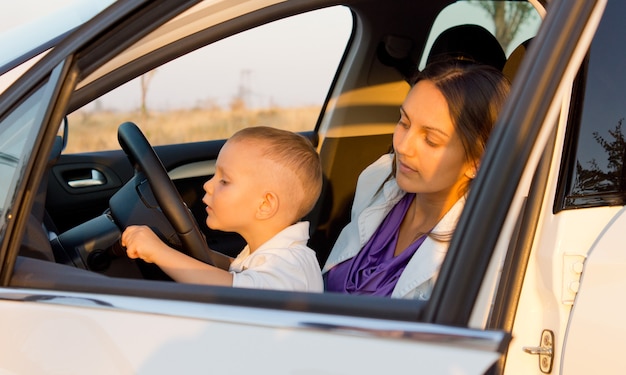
x=269, y=206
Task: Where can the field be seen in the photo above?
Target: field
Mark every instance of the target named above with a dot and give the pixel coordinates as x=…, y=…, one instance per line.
x=97, y=131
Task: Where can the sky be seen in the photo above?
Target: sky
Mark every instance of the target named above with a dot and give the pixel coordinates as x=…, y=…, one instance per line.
x=14, y=13
x=282, y=64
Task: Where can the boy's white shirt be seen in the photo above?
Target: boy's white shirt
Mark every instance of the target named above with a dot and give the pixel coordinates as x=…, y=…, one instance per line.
x=285, y=262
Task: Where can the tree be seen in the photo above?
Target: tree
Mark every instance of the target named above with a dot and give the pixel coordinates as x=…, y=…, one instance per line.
x=145, y=84
x=615, y=154
x=612, y=177
x=508, y=17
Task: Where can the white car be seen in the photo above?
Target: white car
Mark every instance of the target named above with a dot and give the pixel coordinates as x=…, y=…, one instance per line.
x=532, y=282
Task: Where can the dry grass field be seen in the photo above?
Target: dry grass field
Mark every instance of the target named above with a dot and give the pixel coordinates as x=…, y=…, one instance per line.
x=97, y=131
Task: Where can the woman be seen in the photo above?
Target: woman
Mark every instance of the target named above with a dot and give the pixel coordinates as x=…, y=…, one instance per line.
x=407, y=203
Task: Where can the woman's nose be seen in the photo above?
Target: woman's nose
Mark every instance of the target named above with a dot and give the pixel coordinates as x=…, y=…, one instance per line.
x=404, y=142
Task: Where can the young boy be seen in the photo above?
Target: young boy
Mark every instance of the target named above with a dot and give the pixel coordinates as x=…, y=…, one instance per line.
x=265, y=180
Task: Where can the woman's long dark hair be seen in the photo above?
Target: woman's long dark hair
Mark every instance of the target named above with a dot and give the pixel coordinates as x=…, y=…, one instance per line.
x=475, y=93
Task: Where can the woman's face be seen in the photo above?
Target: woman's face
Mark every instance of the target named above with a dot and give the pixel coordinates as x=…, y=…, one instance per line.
x=430, y=158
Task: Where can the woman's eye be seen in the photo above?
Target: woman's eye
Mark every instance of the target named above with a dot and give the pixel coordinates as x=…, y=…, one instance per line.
x=223, y=182
x=430, y=142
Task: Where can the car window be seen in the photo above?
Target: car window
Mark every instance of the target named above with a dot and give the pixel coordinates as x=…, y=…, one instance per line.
x=595, y=173
x=17, y=135
x=511, y=23
x=278, y=74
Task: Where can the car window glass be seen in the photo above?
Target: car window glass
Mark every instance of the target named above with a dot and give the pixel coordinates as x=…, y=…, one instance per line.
x=510, y=22
x=16, y=141
x=277, y=74
x=597, y=175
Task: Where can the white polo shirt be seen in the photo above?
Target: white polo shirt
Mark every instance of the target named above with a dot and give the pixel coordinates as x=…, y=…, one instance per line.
x=285, y=262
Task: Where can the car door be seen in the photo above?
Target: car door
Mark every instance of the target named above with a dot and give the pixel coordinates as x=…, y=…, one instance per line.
x=532, y=292
x=594, y=193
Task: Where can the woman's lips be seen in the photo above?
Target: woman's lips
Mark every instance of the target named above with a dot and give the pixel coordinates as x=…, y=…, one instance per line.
x=403, y=168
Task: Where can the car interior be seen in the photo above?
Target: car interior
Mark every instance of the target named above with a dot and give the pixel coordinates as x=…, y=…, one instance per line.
x=71, y=240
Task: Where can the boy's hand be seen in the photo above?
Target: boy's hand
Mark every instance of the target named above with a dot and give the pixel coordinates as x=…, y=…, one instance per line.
x=141, y=242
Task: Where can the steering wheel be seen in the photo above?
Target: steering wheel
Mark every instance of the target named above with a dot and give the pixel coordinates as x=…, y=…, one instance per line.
x=144, y=159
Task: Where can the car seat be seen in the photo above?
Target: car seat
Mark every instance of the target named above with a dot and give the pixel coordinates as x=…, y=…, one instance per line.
x=468, y=41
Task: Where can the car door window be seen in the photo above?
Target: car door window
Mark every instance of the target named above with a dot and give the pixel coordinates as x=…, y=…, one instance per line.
x=18, y=131
x=278, y=74
x=595, y=175
x=16, y=137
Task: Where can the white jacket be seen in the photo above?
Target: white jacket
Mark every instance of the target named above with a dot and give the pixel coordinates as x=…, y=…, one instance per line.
x=370, y=209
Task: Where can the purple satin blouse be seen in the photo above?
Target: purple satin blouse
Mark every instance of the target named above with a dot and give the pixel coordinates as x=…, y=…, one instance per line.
x=375, y=270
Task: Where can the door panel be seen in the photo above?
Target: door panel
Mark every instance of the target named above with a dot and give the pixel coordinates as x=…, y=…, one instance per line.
x=198, y=338
x=69, y=206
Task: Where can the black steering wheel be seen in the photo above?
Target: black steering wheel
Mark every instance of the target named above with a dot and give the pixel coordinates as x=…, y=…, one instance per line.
x=148, y=167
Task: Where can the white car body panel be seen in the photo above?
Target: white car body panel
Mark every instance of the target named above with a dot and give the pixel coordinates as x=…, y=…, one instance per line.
x=95, y=331
x=594, y=334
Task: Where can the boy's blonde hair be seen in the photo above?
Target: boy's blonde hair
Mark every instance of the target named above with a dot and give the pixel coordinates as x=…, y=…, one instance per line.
x=295, y=152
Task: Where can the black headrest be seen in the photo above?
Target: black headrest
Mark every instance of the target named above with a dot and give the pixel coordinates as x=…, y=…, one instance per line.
x=468, y=41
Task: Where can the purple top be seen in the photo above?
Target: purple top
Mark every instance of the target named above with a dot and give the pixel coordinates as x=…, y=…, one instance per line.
x=375, y=270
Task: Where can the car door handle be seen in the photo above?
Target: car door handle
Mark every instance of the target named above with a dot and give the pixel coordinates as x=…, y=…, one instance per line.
x=96, y=179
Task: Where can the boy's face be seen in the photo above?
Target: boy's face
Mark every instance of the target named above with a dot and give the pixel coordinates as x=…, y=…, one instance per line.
x=235, y=192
